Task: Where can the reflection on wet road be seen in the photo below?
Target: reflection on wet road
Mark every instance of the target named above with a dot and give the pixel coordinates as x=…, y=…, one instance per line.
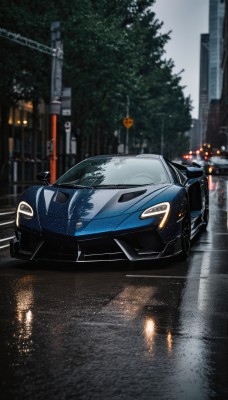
x=151, y=331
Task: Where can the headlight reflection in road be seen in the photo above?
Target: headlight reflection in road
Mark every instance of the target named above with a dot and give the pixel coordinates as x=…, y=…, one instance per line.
x=151, y=330
x=169, y=339
x=24, y=302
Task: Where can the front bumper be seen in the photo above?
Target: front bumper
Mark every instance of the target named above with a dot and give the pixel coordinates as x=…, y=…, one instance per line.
x=132, y=246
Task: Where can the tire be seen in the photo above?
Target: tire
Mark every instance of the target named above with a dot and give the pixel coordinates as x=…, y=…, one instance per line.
x=206, y=213
x=205, y=219
x=185, y=235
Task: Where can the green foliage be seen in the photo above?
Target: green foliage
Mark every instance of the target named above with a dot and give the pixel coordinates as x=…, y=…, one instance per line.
x=112, y=50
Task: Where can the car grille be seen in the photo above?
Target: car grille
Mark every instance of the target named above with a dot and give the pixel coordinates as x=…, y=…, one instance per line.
x=102, y=249
x=108, y=248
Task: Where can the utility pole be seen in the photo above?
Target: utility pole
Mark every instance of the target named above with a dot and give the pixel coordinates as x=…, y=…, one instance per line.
x=56, y=91
x=127, y=122
x=163, y=117
x=127, y=129
x=162, y=135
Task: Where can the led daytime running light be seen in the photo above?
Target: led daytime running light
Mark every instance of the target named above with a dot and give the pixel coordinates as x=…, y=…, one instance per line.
x=23, y=208
x=159, y=209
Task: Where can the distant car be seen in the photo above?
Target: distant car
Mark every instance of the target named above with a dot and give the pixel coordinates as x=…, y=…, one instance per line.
x=109, y=208
x=193, y=157
x=217, y=165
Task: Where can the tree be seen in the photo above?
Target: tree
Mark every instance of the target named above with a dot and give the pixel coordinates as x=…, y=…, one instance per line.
x=112, y=50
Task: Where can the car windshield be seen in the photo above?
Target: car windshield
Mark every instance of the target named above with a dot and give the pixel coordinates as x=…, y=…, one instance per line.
x=115, y=171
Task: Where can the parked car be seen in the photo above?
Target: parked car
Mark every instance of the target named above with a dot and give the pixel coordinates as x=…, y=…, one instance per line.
x=109, y=208
x=217, y=165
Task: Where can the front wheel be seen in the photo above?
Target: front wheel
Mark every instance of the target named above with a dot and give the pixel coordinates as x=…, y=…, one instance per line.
x=185, y=235
x=206, y=213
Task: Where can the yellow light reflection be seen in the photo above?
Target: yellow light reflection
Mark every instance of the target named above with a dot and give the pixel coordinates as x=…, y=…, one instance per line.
x=149, y=332
x=28, y=317
x=212, y=185
x=210, y=169
x=169, y=341
x=150, y=327
x=24, y=300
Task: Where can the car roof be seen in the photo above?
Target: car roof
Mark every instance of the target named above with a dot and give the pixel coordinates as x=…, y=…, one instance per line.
x=155, y=156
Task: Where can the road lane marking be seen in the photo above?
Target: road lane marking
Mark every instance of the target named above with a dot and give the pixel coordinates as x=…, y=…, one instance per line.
x=3, y=247
x=164, y=277
x=4, y=240
x=173, y=277
x=6, y=223
x=208, y=250
x=8, y=238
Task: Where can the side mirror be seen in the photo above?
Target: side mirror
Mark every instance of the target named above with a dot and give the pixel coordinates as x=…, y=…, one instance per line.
x=44, y=177
x=194, y=172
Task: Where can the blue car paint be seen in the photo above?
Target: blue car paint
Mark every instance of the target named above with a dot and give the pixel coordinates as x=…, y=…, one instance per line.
x=98, y=212
x=108, y=216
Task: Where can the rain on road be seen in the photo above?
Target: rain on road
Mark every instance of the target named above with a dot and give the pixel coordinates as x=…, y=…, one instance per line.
x=147, y=331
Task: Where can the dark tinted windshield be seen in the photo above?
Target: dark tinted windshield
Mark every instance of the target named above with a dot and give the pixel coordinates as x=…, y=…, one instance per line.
x=116, y=171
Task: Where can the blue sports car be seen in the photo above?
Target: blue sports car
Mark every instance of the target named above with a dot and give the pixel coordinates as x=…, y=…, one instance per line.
x=109, y=208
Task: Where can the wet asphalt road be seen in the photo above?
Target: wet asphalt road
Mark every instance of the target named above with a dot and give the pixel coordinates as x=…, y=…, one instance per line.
x=148, y=331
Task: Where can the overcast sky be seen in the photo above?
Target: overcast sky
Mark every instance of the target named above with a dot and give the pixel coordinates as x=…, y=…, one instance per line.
x=187, y=19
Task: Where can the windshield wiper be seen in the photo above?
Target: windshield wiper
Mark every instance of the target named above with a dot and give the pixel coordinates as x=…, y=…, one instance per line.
x=72, y=185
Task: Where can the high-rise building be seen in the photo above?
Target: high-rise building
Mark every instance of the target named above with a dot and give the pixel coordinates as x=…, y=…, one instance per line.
x=222, y=141
x=211, y=72
x=216, y=18
x=203, y=91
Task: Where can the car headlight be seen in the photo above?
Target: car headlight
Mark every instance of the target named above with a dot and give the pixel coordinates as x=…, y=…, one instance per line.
x=161, y=209
x=25, y=209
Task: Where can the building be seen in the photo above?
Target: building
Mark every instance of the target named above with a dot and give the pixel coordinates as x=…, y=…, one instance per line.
x=223, y=133
x=215, y=73
x=213, y=123
x=211, y=78
x=194, y=135
x=203, y=90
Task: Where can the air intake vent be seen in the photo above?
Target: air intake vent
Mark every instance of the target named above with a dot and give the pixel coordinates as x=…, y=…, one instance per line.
x=61, y=197
x=130, y=196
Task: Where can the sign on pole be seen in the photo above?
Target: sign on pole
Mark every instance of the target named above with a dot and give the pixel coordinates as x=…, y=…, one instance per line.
x=66, y=102
x=128, y=122
x=67, y=127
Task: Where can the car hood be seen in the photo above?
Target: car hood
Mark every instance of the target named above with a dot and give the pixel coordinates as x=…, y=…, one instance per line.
x=89, y=203
x=59, y=210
